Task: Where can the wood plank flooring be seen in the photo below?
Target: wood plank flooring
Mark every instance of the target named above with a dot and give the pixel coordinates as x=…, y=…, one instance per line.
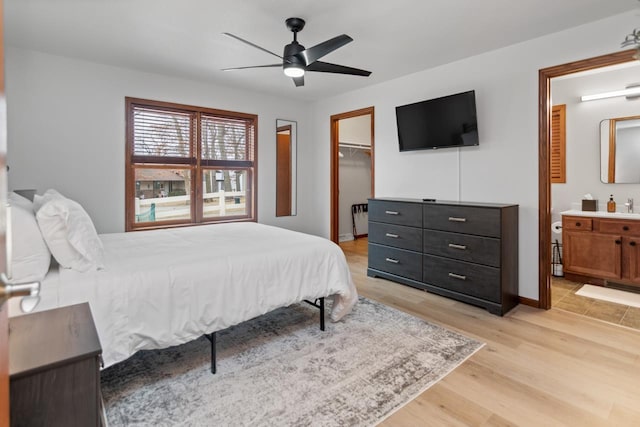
x=538, y=368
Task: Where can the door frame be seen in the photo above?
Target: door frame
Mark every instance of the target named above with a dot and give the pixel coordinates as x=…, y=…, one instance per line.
x=544, y=157
x=335, y=163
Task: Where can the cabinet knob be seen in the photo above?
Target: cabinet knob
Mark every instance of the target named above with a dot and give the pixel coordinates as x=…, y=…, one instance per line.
x=625, y=228
x=618, y=242
x=632, y=243
x=578, y=224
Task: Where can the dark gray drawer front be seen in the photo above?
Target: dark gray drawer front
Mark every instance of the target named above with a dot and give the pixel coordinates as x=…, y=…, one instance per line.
x=463, y=219
x=398, y=236
x=396, y=212
x=481, y=250
x=471, y=279
x=396, y=261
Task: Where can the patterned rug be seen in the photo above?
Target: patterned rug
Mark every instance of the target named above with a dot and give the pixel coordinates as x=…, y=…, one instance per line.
x=280, y=369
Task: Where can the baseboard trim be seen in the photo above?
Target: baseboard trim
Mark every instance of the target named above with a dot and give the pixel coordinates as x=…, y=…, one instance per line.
x=530, y=302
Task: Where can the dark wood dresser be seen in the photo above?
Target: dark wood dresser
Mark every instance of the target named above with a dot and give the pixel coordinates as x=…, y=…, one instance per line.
x=466, y=251
x=54, y=368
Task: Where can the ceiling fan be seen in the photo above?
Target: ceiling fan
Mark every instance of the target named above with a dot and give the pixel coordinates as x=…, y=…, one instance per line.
x=296, y=59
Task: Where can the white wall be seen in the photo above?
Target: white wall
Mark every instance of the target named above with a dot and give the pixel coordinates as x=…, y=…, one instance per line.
x=66, y=129
x=504, y=167
x=355, y=130
x=583, y=151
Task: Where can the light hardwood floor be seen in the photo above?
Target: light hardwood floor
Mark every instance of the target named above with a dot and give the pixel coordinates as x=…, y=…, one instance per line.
x=538, y=368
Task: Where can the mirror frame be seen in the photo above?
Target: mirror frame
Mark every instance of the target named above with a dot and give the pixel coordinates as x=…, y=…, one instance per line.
x=281, y=156
x=608, y=140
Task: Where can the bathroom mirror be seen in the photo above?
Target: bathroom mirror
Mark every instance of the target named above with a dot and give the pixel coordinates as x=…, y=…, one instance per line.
x=620, y=150
x=286, y=168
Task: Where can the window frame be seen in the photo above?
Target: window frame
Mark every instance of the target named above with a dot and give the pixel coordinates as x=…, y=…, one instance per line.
x=194, y=163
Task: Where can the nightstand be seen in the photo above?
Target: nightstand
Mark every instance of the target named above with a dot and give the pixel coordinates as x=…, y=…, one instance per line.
x=54, y=368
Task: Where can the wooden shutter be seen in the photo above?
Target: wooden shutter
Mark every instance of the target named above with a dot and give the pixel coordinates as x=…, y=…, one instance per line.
x=558, y=145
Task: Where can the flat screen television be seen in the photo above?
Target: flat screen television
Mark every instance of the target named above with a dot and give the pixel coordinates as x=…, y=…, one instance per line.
x=449, y=121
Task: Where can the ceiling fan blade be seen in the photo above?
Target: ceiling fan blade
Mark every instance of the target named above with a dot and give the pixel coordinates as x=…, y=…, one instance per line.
x=299, y=81
x=252, y=66
x=318, y=51
x=251, y=44
x=325, y=67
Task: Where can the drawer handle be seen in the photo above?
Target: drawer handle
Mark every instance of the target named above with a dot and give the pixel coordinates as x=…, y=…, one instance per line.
x=625, y=228
x=578, y=224
x=393, y=236
x=392, y=261
x=391, y=212
x=456, y=219
x=617, y=242
x=454, y=246
x=632, y=243
x=457, y=276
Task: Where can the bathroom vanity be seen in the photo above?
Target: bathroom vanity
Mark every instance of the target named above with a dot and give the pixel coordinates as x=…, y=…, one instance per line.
x=601, y=247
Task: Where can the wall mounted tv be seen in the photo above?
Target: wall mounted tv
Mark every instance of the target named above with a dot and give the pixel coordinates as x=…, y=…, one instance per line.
x=449, y=121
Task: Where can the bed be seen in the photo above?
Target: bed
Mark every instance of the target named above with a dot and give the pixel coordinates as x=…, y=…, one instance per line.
x=166, y=287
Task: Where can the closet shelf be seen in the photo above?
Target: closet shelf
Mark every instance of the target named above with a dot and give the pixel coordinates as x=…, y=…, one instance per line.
x=356, y=146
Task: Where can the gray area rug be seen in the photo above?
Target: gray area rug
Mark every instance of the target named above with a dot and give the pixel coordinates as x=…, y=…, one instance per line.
x=281, y=370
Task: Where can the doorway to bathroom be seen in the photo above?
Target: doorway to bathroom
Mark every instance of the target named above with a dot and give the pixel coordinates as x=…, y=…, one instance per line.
x=570, y=168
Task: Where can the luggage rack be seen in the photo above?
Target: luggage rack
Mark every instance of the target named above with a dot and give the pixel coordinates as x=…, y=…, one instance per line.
x=358, y=208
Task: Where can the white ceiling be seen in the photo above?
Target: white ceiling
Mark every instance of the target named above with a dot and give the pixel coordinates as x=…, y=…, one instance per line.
x=391, y=38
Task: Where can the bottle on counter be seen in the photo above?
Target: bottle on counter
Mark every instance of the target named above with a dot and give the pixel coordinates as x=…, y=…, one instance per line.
x=611, y=205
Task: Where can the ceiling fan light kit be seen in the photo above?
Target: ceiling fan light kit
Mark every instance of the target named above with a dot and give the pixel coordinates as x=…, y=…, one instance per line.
x=296, y=60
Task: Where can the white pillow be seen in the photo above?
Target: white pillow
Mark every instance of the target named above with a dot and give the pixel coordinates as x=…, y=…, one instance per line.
x=39, y=201
x=70, y=234
x=17, y=200
x=30, y=256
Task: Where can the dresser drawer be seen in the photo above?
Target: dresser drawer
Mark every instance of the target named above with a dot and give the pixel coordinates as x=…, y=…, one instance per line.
x=477, y=249
x=629, y=228
x=470, y=279
x=398, y=236
x=463, y=219
x=399, y=213
x=577, y=223
x=396, y=261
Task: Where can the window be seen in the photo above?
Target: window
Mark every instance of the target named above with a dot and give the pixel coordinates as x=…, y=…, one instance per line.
x=188, y=165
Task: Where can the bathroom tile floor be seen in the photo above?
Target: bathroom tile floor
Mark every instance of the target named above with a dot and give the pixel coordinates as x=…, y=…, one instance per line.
x=563, y=296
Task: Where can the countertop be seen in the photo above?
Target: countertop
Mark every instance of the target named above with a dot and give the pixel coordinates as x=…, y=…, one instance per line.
x=602, y=214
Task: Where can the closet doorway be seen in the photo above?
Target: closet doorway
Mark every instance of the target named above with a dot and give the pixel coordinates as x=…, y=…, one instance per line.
x=352, y=171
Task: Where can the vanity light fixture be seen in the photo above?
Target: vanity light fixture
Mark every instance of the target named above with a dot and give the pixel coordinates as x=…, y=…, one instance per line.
x=631, y=92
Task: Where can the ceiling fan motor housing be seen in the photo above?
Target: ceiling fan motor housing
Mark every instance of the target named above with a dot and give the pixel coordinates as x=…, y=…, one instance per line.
x=290, y=58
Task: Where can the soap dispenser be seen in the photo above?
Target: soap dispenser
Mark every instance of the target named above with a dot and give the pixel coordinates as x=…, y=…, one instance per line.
x=611, y=205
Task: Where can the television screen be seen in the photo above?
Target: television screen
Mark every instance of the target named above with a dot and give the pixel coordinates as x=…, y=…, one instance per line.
x=449, y=121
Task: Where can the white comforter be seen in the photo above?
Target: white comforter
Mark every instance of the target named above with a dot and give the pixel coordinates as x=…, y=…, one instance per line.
x=166, y=287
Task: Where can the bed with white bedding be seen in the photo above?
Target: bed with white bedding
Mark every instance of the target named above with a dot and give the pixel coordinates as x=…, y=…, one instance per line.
x=166, y=287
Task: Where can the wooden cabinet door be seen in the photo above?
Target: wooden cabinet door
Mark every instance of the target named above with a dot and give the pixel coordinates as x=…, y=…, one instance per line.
x=631, y=259
x=593, y=254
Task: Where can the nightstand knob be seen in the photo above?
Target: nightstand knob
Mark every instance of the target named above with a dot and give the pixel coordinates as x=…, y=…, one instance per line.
x=625, y=228
x=578, y=224
x=632, y=243
x=618, y=242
